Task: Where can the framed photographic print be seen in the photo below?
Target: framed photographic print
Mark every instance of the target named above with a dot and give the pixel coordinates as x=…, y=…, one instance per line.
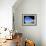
x=29, y=19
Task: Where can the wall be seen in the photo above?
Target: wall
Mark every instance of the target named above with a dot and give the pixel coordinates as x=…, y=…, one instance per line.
x=43, y=22
x=6, y=13
x=29, y=32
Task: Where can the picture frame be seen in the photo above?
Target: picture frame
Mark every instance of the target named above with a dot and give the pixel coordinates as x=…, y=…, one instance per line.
x=29, y=19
